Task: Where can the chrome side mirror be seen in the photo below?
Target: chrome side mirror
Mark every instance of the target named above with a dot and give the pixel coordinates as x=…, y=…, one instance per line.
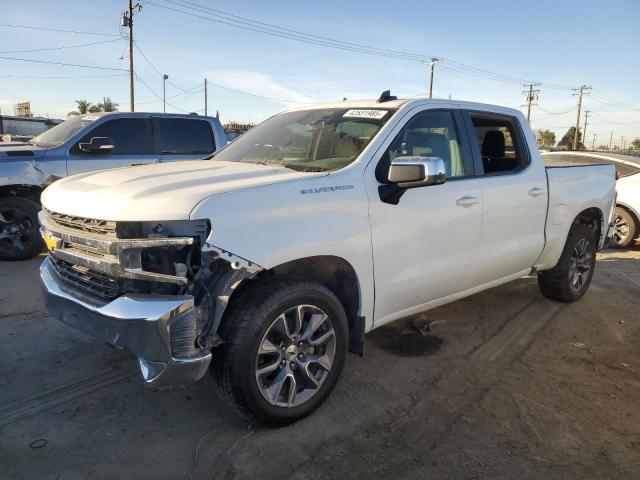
x=412, y=172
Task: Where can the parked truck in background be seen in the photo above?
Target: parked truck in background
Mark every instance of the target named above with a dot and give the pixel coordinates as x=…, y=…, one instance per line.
x=263, y=262
x=85, y=143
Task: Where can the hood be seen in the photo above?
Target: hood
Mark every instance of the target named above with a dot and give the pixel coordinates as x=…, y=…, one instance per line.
x=20, y=151
x=163, y=191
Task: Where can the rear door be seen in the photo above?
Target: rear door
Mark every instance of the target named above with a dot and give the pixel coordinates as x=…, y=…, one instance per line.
x=514, y=193
x=183, y=138
x=132, y=141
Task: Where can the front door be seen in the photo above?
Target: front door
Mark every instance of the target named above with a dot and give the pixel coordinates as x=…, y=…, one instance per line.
x=132, y=145
x=425, y=247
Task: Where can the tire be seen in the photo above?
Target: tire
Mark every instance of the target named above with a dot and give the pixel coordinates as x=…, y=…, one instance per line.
x=570, y=278
x=264, y=318
x=19, y=229
x=625, y=228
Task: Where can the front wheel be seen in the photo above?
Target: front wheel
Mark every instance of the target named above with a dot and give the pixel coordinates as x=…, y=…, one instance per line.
x=285, y=348
x=570, y=278
x=19, y=229
x=624, y=228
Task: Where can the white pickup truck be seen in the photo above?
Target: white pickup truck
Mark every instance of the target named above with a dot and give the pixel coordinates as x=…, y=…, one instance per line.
x=273, y=259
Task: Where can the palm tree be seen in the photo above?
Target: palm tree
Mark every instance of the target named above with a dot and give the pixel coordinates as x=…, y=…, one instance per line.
x=107, y=105
x=83, y=107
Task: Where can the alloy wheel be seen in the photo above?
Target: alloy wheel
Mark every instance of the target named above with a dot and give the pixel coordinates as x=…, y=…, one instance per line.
x=17, y=229
x=580, y=264
x=621, y=229
x=295, y=356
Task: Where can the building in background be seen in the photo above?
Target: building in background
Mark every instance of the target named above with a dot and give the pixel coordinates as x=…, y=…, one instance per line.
x=233, y=129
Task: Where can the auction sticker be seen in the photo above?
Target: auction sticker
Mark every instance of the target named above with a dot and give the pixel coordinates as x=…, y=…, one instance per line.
x=373, y=114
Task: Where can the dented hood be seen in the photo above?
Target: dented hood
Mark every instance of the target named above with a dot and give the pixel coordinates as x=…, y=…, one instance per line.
x=163, y=191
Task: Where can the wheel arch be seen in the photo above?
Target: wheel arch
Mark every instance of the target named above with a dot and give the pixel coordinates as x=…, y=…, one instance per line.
x=31, y=192
x=594, y=219
x=334, y=273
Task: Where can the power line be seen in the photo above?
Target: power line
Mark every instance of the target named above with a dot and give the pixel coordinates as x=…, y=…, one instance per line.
x=30, y=27
x=157, y=95
x=62, y=64
x=64, y=47
x=63, y=76
x=276, y=100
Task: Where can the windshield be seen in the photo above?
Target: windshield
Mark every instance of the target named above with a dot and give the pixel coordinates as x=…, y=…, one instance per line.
x=62, y=132
x=308, y=140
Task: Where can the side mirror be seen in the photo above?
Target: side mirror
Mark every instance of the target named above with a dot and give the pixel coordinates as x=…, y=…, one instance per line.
x=97, y=145
x=412, y=172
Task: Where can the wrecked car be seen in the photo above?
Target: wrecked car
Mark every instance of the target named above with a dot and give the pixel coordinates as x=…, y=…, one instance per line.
x=269, y=262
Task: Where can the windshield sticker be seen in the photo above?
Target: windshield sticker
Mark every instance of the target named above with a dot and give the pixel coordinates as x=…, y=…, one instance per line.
x=337, y=188
x=373, y=114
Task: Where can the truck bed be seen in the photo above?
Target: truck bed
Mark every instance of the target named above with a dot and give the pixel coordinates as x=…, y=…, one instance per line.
x=572, y=189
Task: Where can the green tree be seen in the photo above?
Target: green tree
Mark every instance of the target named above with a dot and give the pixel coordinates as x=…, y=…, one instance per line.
x=636, y=144
x=567, y=139
x=107, y=105
x=546, y=138
x=83, y=106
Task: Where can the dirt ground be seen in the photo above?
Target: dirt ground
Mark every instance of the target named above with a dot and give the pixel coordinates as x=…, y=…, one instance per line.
x=508, y=385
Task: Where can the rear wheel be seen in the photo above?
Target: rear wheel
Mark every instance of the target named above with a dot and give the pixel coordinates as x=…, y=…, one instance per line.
x=570, y=278
x=625, y=229
x=285, y=348
x=19, y=232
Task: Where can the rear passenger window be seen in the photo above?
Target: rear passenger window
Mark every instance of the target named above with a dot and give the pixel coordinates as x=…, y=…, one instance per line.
x=500, y=146
x=131, y=136
x=179, y=136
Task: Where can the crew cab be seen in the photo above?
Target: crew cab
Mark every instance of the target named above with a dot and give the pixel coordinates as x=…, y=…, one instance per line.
x=85, y=143
x=270, y=261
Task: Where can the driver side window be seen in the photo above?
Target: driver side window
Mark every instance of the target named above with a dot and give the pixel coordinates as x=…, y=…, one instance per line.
x=428, y=134
x=130, y=136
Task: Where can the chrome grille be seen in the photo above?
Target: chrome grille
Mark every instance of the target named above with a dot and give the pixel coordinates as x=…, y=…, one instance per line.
x=90, y=281
x=101, y=227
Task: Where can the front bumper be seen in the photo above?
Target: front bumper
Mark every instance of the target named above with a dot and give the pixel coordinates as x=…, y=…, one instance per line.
x=158, y=329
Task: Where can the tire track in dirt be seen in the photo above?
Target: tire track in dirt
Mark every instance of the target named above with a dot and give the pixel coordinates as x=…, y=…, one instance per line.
x=29, y=406
x=454, y=393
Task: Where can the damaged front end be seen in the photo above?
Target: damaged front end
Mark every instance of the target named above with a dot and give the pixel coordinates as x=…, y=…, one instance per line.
x=156, y=289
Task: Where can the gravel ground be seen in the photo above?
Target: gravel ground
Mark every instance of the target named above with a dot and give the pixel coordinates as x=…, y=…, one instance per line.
x=507, y=385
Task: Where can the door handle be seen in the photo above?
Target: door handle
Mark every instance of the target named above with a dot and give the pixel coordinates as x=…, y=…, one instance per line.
x=467, y=201
x=536, y=192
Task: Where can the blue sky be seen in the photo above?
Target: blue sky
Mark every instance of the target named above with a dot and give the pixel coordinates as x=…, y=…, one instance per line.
x=561, y=43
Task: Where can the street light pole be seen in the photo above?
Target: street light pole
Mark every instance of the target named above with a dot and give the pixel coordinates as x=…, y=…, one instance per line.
x=164, y=95
x=432, y=64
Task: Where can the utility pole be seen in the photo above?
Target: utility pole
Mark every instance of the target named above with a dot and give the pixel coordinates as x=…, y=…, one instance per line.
x=531, y=96
x=593, y=145
x=610, y=140
x=127, y=21
x=205, y=97
x=580, y=91
x=432, y=64
x=584, y=130
x=165, y=77
x=622, y=142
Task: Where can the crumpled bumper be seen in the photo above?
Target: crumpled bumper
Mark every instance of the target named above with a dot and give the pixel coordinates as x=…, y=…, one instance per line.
x=158, y=329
